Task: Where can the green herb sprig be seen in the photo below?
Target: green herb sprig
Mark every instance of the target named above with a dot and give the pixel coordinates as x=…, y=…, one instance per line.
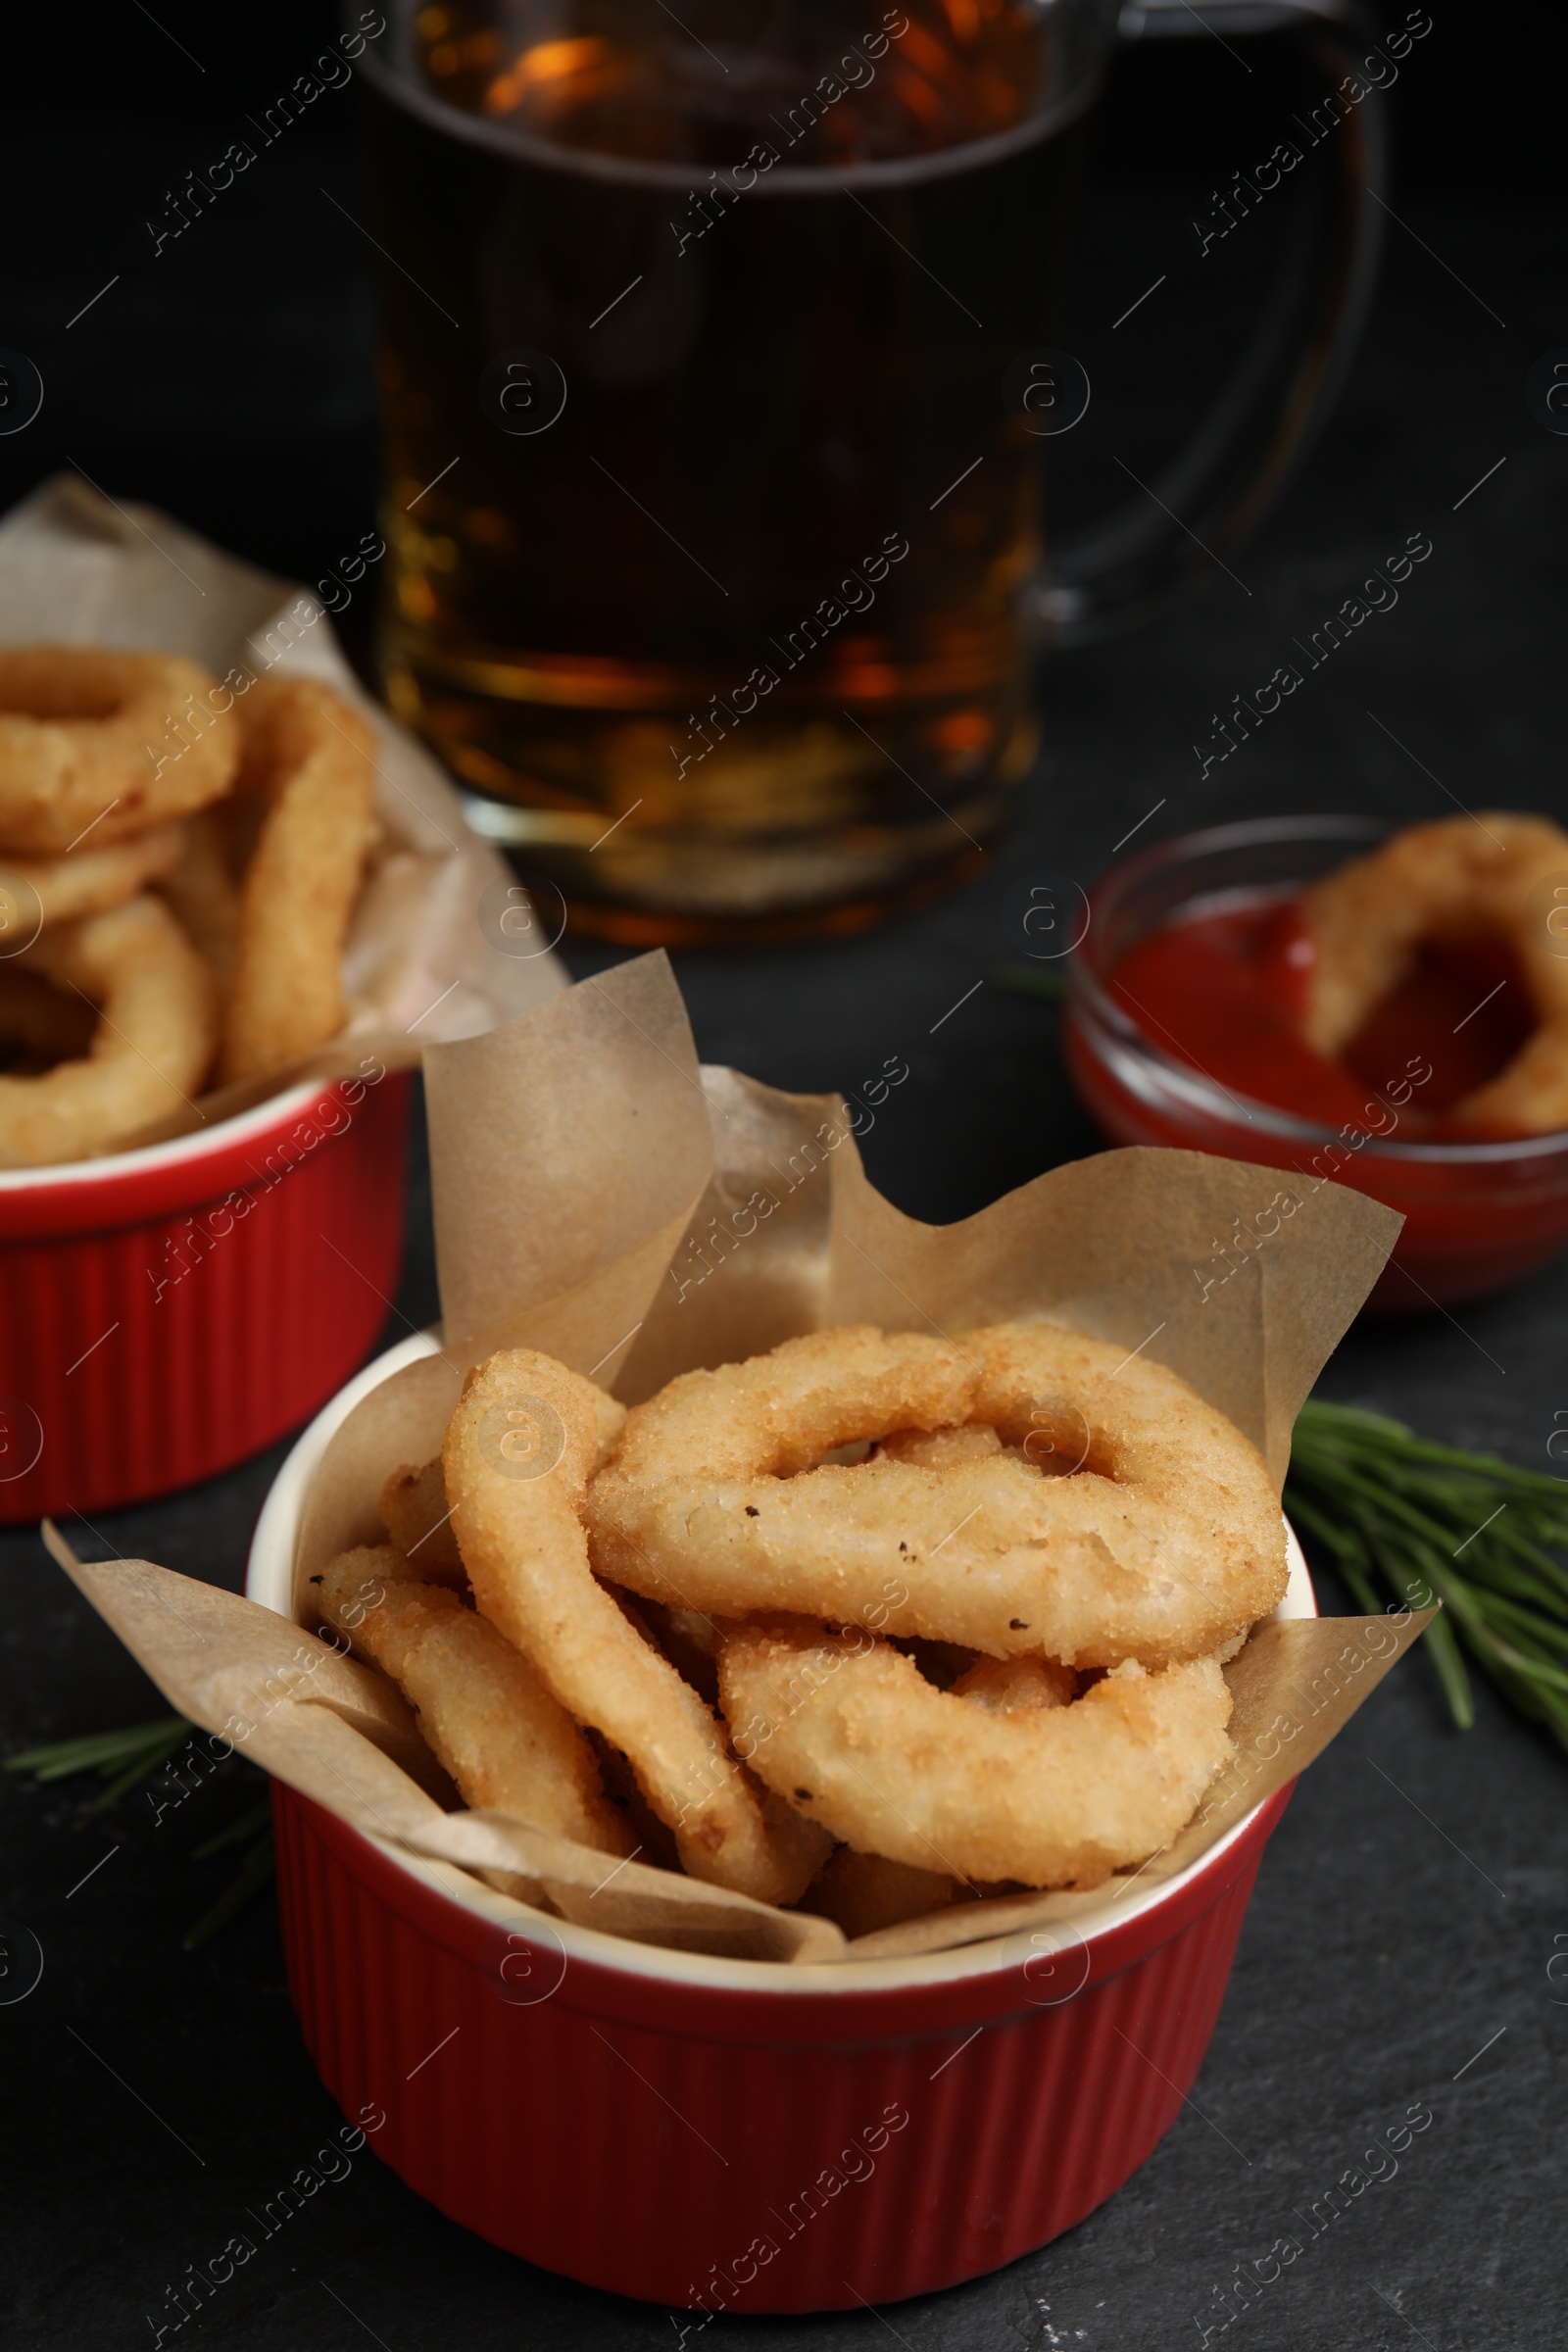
x=1030, y=980
x=1428, y=1522
x=133, y=1754
x=121, y=1758
x=257, y=1866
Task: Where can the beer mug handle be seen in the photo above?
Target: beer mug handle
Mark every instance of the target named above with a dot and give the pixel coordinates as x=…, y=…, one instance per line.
x=1126, y=566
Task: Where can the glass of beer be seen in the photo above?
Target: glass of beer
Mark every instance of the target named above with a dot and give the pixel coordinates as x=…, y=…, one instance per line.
x=718, y=362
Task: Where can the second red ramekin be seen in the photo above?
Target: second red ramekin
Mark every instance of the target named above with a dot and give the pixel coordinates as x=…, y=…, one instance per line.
x=165, y=1312
x=730, y=2134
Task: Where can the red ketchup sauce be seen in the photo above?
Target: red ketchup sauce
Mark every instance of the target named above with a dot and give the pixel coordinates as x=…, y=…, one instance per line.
x=1226, y=990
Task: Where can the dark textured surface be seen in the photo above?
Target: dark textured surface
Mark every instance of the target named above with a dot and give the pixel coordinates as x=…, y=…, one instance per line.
x=1406, y=1915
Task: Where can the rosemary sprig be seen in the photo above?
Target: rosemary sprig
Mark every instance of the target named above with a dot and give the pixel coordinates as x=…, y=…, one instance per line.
x=254, y=1871
x=121, y=1758
x=246, y=1824
x=133, y=1754
x=1428, y=1522
x=1029, y=980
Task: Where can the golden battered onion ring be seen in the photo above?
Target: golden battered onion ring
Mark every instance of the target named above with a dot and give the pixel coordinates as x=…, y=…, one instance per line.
x=1017, y=1686
x=311, y=753
x=416, y=1515
x=1462, y=878
x=418, y=1519
x=40, y=1025
x=150, y=1052
x=1047, y=1794
x=1167, y=1543
x=93, y=879
x=863, y=1893
x=83, y=736
x=201, y=889
x=518, y=1453
x=482, y=1709
x=940, y=1448
x=785, y=1411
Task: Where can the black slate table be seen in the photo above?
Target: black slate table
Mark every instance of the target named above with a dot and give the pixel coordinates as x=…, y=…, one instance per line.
x=1401, y=1944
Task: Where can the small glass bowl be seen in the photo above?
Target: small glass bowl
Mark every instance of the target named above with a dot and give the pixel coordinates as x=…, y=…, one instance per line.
x=1478, y=1215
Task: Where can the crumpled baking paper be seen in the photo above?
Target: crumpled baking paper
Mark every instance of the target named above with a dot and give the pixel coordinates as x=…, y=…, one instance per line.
x=602, y=1196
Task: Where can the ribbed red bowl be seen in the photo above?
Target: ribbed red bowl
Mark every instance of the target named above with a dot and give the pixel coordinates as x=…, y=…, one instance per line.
x=690, y=2132
x=165, y=1313
x=732, y=2135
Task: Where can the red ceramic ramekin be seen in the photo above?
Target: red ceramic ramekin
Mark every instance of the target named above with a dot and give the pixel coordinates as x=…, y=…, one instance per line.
x=165, y=1312
x=1477, y=1215
x=730, y=2134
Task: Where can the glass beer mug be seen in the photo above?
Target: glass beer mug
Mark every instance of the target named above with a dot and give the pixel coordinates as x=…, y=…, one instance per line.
x=720, y=372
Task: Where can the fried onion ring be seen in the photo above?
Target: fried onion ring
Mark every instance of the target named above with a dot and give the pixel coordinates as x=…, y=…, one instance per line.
x=481, y=1707
x=416, y=1515
x=518, y=1453
x=863, y=1893
x=40, y=1025
x=1047, y=1794
x=201, y=889
x=1166, y=1545
x=157, y=1029
x=310, y=753
x=79, y=727
x=93, y=880
x=1462, y=878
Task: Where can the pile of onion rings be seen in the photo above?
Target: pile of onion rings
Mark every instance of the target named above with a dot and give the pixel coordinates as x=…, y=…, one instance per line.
x=168, y=916
x=874, y=1623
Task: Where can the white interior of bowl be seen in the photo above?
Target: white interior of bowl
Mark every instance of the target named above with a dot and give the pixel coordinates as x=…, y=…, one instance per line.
x=269, y=1581
x=276, y=1112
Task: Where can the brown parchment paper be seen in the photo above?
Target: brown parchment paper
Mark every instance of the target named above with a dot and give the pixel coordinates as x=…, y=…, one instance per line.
x=79, y=568
x=600, y=1195
x=341, y=1734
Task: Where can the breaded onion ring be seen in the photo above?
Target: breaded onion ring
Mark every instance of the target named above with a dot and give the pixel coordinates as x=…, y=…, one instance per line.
x=482, y=1709
x=79, y=734
x=202, y=891
x=785, y=1411
x=90, y=881
x=1462, y=878
x=1166, y=1543
x=418, y=1519
x=150, y=1052
x=1046, y=1795
x=1017, y=1686
x=311, y=753
x=416, y=1515
x=40, y=1025
x=520, y=1451
x=863, y=1893
x=940, y=1448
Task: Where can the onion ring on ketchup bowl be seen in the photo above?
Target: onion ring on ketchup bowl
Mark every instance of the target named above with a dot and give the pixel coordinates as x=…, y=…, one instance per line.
x=1195, y=997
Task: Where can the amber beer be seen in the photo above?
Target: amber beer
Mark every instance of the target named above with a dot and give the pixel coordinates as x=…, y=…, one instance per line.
x=709, y=524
